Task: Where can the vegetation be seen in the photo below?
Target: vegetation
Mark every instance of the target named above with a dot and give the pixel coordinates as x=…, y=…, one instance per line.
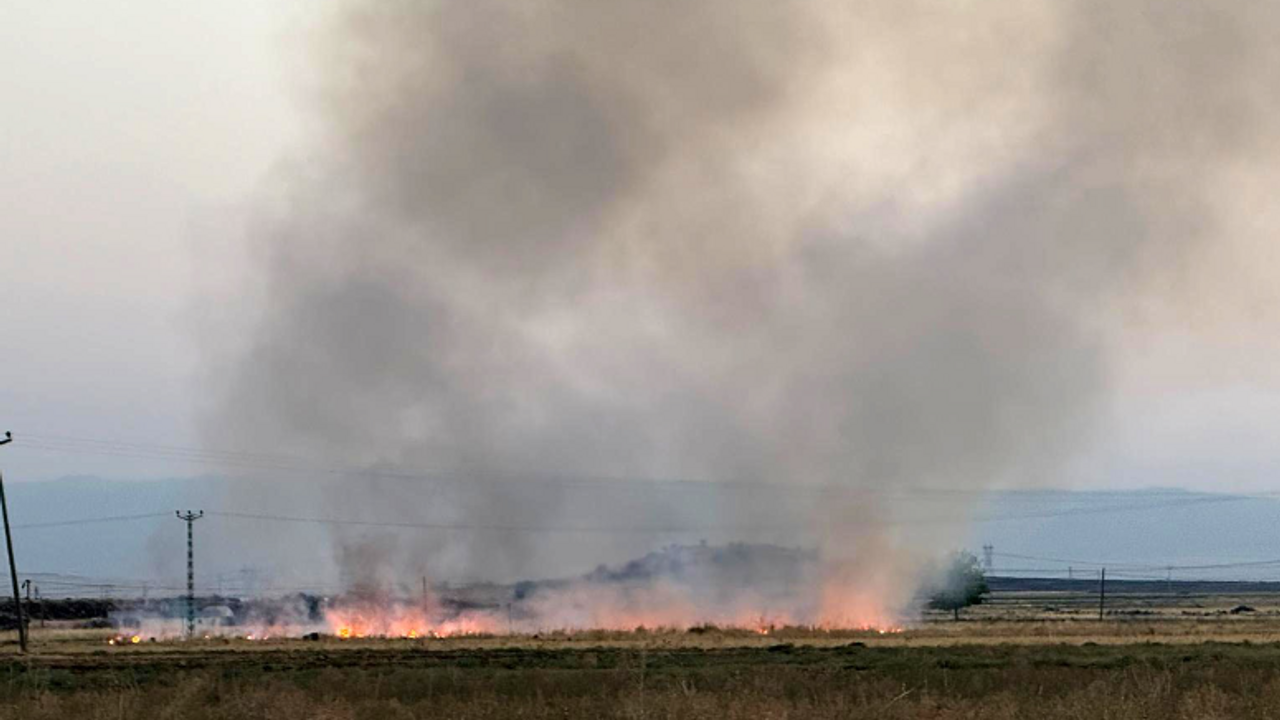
x=1034, y=654
x=781, y=680
x=963, y=584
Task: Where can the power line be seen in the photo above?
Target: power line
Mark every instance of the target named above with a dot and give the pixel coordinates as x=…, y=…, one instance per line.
x=73, y=441
x=635, y=530
x=471, y=526
x=1223, y=566
x=488, y=526
x=91, y=521
x=287, y=463
x=1038, y=558
x=55, y=579
x=1135, y=507
x=1144, y=566
x=463, y=476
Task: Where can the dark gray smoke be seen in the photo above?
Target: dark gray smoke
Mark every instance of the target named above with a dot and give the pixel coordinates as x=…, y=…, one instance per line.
x=873, y=247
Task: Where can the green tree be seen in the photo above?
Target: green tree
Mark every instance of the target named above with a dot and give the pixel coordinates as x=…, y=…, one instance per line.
x=962, y=584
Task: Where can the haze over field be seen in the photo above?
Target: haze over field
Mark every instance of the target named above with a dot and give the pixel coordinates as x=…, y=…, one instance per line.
x=880, y=250
x=1153, y=528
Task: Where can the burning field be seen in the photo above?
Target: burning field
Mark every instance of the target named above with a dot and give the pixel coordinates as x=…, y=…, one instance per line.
x=1196, y=659
x=746, y=304
x=753, y=588
x=738, y=586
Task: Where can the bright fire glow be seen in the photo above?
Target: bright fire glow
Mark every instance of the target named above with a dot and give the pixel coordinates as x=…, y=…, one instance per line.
x=390, y=619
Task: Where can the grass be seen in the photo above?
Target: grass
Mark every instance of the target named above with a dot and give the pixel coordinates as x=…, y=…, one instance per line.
x=1050, y=681
x=977, y=669
x=1026, y=655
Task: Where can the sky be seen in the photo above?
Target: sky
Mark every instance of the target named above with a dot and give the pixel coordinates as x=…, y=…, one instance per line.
x=138, y=148
x=135, y=137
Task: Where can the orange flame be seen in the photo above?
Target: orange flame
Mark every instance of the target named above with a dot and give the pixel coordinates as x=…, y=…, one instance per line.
x=394, y=620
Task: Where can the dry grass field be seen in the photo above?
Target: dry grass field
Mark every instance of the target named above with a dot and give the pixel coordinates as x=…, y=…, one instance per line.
x=968, y=670
x=1189, y=658
x=630, y=677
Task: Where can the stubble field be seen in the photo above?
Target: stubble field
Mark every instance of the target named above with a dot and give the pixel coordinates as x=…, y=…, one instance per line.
x=1190, y=657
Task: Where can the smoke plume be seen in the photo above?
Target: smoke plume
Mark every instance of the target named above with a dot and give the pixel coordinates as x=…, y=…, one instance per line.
x=842, y=263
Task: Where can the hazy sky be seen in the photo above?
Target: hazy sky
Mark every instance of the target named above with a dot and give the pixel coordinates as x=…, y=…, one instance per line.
x=139, y=138
x=134, y=136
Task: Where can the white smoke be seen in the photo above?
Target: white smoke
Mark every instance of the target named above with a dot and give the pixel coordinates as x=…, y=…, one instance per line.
x=868, y=247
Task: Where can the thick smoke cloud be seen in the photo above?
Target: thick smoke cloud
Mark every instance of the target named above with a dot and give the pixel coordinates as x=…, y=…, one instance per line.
x=865, y=247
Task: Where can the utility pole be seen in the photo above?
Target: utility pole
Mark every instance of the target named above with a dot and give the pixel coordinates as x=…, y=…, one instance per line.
x=190, y=518
x=988, y=551
x=26, y=585
x=1102, y=593
x=13, y=568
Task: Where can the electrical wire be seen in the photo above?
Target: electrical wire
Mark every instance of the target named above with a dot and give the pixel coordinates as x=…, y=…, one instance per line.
x=293, y=464
x=622, y=530
x=89, y=521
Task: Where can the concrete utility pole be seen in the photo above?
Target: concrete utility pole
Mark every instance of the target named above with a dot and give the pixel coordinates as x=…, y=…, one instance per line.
x=1102, y=593
x=13, y=568
x=190, y=518
x=988, y=551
